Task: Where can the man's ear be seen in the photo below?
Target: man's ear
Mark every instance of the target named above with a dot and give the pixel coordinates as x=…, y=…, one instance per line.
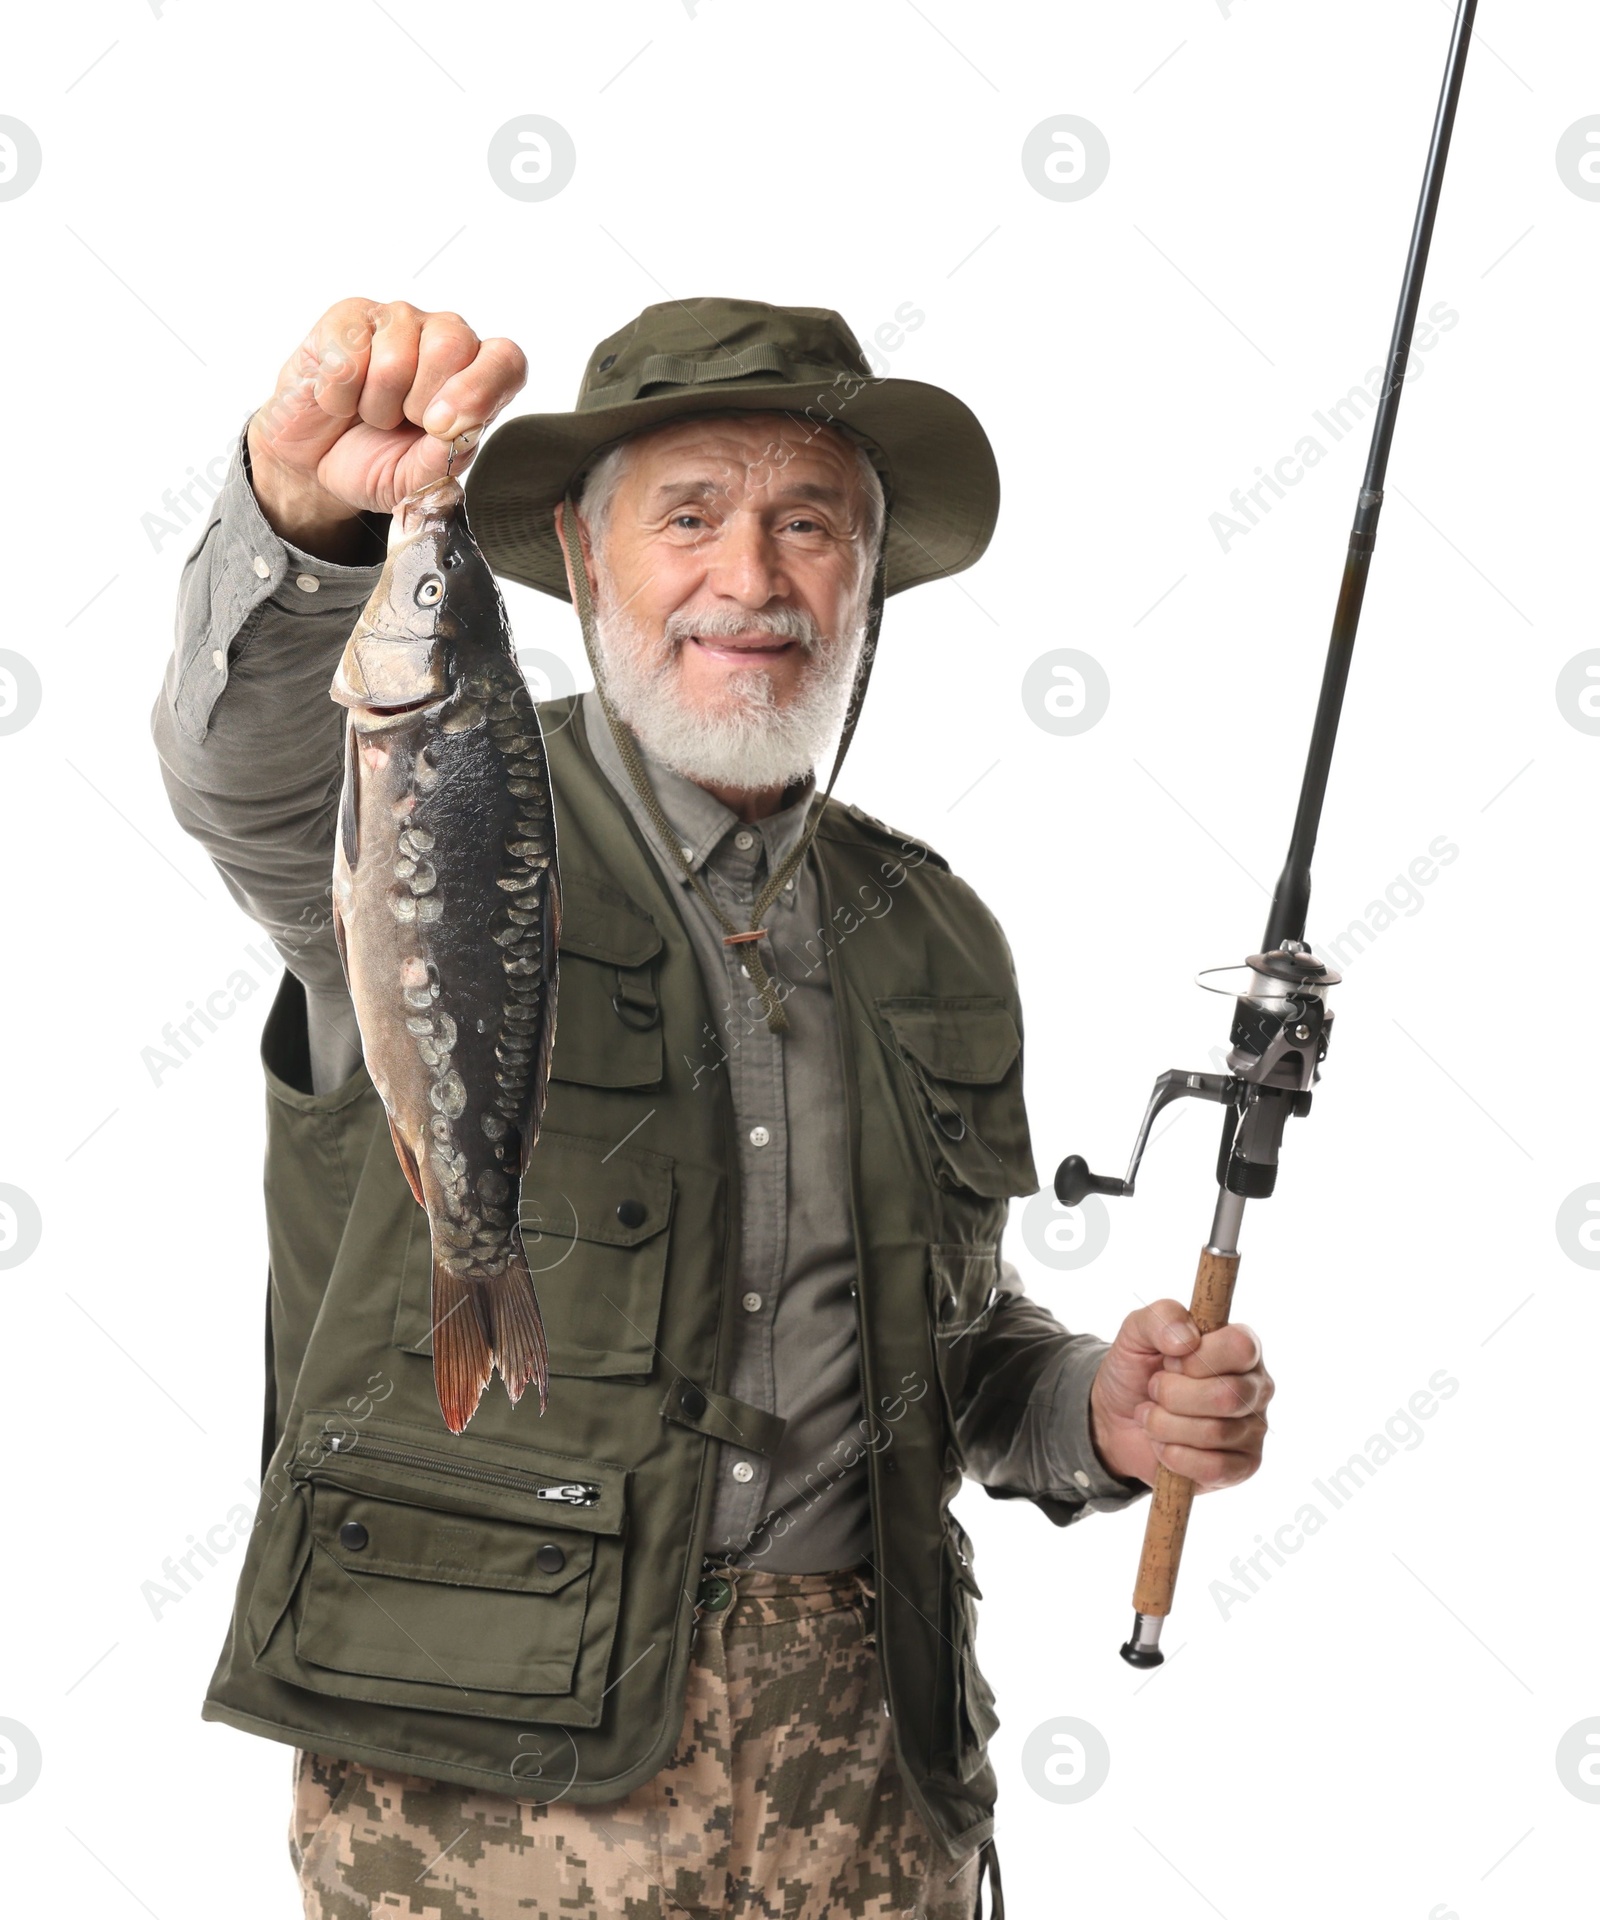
x=583, y=542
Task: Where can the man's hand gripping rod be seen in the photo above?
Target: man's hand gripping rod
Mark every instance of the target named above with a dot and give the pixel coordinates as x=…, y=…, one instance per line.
x=1281, y=1020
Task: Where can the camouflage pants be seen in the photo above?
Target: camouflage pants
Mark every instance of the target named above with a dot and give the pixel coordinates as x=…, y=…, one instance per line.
x=782, y=1801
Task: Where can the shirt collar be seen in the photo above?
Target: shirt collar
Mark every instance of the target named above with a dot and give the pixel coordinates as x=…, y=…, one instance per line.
x=700, y=820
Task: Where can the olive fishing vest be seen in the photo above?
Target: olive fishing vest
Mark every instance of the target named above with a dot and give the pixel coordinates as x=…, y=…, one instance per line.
x=513, y=1609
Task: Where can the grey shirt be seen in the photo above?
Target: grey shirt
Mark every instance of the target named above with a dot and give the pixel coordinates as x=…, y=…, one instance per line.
x=250, y=749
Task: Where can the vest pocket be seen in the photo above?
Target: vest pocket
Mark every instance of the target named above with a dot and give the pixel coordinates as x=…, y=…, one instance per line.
x=594, y=1221
x=963, y=1291
x=482, y=1580
x=963, y=1058
x=608, y=1015
x=973, y=1719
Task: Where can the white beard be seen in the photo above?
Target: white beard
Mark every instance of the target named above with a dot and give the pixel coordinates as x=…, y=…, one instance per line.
x=745, y=739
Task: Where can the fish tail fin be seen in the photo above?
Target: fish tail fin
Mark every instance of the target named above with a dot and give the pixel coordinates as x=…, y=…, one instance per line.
x=462, y=1358
x=519, y=1344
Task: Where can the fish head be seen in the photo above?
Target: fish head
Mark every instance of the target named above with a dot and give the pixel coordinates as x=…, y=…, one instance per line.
x=404, y=654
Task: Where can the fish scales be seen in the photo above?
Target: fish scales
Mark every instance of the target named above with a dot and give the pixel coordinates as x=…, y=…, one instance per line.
x=447, y=909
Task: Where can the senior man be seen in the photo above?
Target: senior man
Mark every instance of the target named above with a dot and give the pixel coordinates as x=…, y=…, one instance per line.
x=700, y=1640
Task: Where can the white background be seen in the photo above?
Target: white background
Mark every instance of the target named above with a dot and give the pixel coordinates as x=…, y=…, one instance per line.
x=1374, y=1729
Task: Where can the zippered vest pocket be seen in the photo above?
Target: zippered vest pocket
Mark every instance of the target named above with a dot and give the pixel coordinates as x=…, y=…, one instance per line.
x=477, y=1578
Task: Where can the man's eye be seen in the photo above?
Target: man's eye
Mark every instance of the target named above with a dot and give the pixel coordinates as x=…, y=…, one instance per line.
x=689, y=520
x=803, y=526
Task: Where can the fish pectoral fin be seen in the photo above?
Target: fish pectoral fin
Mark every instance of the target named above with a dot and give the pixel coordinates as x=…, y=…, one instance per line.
x=341, y=940
x=408, y=1164
x=349, y=799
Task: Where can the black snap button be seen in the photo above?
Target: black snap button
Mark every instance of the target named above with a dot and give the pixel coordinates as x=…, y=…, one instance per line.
x=549, y=1558
x=353, y=1535
x=632, y=1213
x=714, y=1594
x=608, y=363
x=691, y=1401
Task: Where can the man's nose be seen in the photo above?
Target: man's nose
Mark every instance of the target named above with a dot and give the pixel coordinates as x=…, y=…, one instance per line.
x=746, y=564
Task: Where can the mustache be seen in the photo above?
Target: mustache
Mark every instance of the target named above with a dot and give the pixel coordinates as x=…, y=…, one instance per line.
x=778, y=623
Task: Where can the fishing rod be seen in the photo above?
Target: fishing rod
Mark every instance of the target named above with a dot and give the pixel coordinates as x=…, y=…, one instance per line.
x=1281, y=1020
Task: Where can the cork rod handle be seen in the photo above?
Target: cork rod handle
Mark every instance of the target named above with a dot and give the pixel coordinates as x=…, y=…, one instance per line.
x=1173, y=1495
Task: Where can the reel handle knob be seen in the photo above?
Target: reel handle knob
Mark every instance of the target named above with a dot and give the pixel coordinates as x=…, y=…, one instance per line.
x=1074, y=1182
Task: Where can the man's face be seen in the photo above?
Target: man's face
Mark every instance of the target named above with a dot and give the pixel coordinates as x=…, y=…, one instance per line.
x=731, y=578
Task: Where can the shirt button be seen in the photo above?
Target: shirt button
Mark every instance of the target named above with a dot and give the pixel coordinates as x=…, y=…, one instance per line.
x=744, y=840
x=752, y=1303
x=1081, y=1477
x=307, y=582
x=759, y=1136
x=263, y=571
x=788, y=885
x=743, y=1471
x=218, y=659
x=687, y=852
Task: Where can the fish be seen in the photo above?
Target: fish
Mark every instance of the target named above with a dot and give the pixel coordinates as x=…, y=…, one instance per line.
x=447, y=913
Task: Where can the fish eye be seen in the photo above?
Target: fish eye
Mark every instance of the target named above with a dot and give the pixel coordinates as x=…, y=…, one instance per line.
x=430, y=590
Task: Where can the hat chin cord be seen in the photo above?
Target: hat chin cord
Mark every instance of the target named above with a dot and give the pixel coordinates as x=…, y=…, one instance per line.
x=749, y=937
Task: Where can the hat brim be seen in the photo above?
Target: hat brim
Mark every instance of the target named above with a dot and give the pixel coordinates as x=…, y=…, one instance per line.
x=937, y=466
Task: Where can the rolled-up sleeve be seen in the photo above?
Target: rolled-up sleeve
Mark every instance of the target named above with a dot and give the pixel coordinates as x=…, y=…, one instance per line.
x=250, y=743
x=1023, y=1423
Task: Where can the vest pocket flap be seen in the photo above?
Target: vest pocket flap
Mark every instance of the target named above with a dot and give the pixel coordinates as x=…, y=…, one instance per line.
x=971, y=1042
x=362, y=1534
x=603, y=924
x=578, y=1189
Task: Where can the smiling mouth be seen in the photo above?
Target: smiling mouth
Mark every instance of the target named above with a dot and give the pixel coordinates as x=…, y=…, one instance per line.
x=761, y=649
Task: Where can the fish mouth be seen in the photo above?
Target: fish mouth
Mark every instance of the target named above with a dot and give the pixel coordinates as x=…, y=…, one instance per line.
x=434, y=506
x=389, y=708
x=367, y=716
